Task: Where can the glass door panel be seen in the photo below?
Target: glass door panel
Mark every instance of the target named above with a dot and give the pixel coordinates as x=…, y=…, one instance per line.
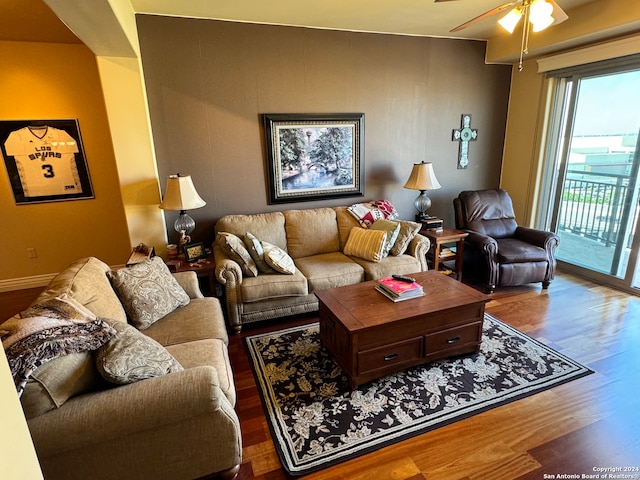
x=596, y=209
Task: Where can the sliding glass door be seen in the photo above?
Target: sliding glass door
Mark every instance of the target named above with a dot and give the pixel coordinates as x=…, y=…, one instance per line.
x=592, y=172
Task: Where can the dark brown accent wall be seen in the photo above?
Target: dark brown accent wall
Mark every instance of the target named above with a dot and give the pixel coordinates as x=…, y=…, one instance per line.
x=208, y=82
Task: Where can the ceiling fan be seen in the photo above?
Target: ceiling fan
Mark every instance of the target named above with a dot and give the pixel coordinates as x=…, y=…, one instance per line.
x=538, y=15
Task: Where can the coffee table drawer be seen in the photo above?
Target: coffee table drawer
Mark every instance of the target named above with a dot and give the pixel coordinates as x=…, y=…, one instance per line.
x=453, y=341
x=390, y=356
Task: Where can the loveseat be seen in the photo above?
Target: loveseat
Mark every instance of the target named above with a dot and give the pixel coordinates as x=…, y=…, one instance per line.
x=179, y=424
x=316, y=240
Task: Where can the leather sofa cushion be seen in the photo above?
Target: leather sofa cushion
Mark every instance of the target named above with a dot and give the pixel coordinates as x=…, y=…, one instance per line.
x=489, y=212
x=86, y=281
x=207, y=352
x=511, y=250
x=329, y=270
x=273, y=286
x=311, y=232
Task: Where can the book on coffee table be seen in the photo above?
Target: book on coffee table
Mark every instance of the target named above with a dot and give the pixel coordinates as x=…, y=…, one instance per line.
x=418, y=293
x=398, y=290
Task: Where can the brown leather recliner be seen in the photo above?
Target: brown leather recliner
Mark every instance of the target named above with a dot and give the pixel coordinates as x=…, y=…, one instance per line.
x=510, y=254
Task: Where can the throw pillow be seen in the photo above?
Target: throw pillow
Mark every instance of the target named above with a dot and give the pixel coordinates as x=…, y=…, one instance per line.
x=236, y=250
x=257, y=253
x=131, y=356
x=55, y=382
x=392, y=229
x=278, y=259
x=368, y=212
x=408, y=230
x=148, y=291
x=366, y=244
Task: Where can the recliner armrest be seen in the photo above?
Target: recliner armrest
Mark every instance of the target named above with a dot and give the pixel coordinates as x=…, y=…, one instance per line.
x=484, y=243
x=540, y=238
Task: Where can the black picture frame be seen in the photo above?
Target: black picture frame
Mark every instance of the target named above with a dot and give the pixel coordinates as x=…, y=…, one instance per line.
x=314, y=156
x=194, y=251
x=45, y=160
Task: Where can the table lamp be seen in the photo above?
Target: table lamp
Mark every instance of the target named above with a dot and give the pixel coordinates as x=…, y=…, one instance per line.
x=182, y=195
x=422, y=178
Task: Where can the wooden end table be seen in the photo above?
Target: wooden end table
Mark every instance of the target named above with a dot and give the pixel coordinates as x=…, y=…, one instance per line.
x=204, y=268
x=370, y=336
x=445, y=237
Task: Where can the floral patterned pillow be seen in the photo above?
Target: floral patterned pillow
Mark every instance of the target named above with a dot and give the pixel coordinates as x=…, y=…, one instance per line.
x=131, y=356
x=148, y=291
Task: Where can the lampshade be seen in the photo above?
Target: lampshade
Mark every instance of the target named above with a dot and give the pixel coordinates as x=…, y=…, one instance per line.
x=511, y=20
x=422, y=177
x=181, y=194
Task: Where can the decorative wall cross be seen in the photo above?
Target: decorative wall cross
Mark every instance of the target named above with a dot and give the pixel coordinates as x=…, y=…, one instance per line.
x=464, y=135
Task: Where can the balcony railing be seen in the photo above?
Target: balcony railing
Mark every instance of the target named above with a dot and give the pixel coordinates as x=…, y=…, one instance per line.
x=593, y=205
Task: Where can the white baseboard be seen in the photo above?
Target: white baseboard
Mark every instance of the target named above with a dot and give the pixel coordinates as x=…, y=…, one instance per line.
x=24, y=283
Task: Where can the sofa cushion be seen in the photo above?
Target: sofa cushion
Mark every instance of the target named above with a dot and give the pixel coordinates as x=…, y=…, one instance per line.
x=202, y=318
x=212, y=352
x=131, y=356
x=55, y=382
x=254, y=246
x=393, y=230
x=346, y=222
x=86, y=281
x=265, y=226
x=399, y=264
x=366, y=244
x=235, y=248
x=329, y=270
x=408, y=231
x=148, y=291
x=274, y=286
x=311, y=232
x=278, y=259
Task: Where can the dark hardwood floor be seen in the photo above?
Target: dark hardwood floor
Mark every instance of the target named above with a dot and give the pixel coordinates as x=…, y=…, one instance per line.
x=572, y=429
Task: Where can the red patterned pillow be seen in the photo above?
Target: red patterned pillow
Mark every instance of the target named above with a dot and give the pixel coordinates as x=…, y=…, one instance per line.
x=369, y=212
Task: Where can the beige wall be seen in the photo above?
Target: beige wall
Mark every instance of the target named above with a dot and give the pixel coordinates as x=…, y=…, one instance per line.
x=18, y=458
x=208, y=82
x=56, y=81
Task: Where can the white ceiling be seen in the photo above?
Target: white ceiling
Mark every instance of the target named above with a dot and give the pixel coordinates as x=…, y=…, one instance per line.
x=406, y=17
x=32, y=20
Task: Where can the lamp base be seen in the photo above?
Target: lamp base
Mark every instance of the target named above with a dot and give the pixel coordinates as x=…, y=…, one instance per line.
x=184, y=223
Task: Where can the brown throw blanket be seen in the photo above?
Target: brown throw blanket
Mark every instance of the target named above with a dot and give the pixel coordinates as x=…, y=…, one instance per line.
x=47, y=331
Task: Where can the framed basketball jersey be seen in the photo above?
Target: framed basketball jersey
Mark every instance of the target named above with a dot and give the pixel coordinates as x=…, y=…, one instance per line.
x=45, y=160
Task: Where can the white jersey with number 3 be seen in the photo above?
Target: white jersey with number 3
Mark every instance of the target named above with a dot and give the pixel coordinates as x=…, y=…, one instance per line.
x=45, y=158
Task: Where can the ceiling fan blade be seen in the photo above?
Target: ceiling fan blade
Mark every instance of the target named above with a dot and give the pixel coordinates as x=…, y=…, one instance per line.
x=558, y=14
x=438, y=1
x=486, y=15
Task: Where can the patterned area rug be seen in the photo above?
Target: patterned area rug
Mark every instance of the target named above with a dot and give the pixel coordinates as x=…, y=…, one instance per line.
x=316, y=421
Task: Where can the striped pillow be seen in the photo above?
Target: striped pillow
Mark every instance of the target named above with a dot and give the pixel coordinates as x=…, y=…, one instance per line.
x=366, y=244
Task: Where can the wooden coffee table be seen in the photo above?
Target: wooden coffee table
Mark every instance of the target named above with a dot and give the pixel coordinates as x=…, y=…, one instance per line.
x=370, y=336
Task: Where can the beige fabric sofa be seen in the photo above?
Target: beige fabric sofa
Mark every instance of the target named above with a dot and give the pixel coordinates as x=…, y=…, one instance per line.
x=315, y=239
x=181, y=425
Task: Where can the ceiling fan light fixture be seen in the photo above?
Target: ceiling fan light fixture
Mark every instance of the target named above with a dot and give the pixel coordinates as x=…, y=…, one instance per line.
x=540, y=15
x=511, y=19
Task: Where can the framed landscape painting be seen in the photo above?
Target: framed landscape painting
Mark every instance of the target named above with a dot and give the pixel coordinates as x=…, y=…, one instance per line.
x=45, y=160
x=314, y=156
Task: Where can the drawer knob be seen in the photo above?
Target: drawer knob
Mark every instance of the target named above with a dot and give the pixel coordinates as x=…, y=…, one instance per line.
x=453, y=339
x=388, y=358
